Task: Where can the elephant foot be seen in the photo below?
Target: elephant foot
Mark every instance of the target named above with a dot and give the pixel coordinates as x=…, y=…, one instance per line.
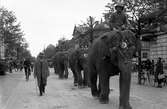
x=75, y=84
x=96, y=95
x=80, y=87
x=125, y=107
x=89, y=85
x=66, y=76
x=104, y=100
x=61, y=77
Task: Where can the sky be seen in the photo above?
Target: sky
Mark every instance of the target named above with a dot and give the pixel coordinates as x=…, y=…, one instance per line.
x=44, y=22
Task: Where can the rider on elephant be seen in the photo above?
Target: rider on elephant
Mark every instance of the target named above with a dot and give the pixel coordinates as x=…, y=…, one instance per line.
x=118, y=19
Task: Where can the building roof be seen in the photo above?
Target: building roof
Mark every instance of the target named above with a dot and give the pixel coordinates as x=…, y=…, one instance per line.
x=79, y=30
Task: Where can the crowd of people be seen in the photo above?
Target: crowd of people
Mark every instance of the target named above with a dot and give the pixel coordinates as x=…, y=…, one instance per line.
x=155, y=69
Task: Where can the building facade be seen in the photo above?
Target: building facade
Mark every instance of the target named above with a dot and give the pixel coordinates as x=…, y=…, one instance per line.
x=156, y=48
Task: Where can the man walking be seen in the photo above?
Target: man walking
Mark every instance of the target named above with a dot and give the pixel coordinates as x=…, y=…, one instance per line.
x=27, y=69
x=159, y=71
x=41, y=72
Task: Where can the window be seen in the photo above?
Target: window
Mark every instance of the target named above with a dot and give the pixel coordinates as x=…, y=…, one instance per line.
x=145, y=55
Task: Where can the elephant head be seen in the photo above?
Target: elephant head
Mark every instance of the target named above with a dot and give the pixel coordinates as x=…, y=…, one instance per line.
x=122, y=45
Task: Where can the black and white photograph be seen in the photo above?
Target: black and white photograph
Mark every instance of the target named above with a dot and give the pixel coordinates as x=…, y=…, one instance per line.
x=83, y=54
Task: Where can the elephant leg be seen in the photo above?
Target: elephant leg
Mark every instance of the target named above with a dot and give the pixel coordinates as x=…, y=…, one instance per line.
x=93, y=81
x=86, y=81
x=61, y=71
x=124, y=84
x=104, y=87
x=79, y=76
x=75, y=77
x=55, y=70
x=66, y=71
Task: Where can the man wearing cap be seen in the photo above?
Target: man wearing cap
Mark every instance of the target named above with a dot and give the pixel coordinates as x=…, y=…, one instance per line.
x=41, y=72
x=118, y=19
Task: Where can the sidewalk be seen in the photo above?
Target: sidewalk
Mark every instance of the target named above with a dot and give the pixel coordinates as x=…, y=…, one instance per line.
x=61, y=94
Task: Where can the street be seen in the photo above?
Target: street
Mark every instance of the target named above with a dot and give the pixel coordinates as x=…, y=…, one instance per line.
x=16, y=93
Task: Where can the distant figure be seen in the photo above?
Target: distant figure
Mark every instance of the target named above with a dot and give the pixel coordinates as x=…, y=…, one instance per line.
x=27, y=68
x=41, y=72
x=152, y=67
x=159, y=71
x=21, y=65
x=10, y=65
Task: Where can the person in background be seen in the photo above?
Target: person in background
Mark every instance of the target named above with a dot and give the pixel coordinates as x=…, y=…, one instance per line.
x=152, y=67
x=41, y=72
x=27, y=68
x=159, y=71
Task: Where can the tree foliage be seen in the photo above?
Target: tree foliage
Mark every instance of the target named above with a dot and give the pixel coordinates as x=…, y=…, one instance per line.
x=90, y=24
x=49, y=51
x=11, y=34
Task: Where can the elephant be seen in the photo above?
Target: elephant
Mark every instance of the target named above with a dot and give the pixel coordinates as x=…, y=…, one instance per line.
x=54, y=64
x=61, y=64
x=78, y=63
x=109, y=55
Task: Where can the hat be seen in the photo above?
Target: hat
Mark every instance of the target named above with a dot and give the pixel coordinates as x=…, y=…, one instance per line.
x=119, y=5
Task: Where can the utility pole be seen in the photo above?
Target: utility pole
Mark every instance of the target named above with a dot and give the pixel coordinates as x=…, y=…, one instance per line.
x=91, y=29
x=139, y=53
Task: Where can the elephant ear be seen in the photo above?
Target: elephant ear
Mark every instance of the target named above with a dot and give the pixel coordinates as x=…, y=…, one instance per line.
x=108, y=50
x=135, y=41
x=111, y=39
x=104, y=38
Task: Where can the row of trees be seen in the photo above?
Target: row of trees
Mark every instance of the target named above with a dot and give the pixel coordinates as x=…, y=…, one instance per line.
x=12, y=35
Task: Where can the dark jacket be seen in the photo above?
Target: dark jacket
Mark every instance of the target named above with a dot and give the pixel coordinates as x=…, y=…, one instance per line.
x=41, y=70
x=117, y=20
x=27, y=63
x=159, y=68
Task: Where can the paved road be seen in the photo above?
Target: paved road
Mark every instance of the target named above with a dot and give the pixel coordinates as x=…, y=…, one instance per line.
x=16, y=93
x=8, y=84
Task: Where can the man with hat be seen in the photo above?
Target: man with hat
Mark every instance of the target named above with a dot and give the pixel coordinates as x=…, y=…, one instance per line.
x=41, y=72
x=118, y=20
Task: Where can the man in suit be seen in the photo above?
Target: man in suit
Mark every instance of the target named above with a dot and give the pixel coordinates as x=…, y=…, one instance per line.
x=41, y=72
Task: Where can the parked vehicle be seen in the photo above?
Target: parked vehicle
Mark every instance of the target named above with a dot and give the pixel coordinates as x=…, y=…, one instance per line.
x=3, y=67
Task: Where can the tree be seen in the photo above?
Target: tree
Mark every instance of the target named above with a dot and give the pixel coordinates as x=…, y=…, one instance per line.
x=49, y=51
x=11, y=33
x=90, y=24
